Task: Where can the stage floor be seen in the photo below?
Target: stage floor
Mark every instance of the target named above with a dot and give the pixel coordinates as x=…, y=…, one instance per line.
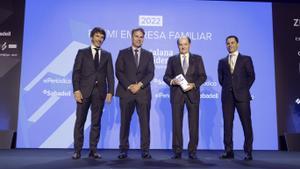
x=61, y=159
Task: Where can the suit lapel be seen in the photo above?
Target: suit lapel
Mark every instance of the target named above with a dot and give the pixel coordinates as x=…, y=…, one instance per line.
x=90, y=53
x=130, y=58
x=191, y=61
x=102, y=59
x=90, y=56
x=238, y=61
x=227, y=64
x=142, y=59
x=178, y=64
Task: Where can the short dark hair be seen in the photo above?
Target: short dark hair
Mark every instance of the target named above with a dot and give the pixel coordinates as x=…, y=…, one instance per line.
x=98, y=30
x=138, y=29
x=233, y=36
x=188, y=38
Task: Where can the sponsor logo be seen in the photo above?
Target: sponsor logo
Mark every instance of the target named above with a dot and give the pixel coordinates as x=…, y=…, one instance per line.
x=297, y=22
x=5, y=33
x=297, y=101
x=3, y=46
x=12, y=46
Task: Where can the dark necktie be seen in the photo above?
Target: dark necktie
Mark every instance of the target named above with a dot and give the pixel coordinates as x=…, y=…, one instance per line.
x=96, y=59
x=136, y=57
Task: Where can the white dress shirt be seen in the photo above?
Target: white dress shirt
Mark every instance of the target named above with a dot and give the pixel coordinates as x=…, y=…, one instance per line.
x=94, y=51
x=232, y=58
x=187, y=56
x=139, y=53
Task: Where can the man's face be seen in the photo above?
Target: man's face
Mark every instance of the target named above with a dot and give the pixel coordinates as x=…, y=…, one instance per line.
x=137, y=39
x=231, y=45
x=97, y=39
x=184, y=46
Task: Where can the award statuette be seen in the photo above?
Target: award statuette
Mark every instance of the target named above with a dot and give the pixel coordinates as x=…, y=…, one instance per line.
x=182, y=82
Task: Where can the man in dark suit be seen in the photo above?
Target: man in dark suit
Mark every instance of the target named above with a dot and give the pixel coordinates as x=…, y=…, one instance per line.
x=135, y=70
x=192, y=68
x=236, y=76
x=93, y=83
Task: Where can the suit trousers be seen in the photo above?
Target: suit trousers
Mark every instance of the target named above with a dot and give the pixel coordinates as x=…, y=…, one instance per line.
x=177, y=120
x=96, y=102
x=243, y=108
x=127, y=106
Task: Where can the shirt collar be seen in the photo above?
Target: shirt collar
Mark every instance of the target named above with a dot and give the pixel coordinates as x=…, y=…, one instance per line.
x=134, y=48
x=186, y=55
x=235, y=54
x=93, y=47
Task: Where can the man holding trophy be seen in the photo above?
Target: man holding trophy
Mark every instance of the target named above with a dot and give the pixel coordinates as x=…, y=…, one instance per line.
x=185, y=74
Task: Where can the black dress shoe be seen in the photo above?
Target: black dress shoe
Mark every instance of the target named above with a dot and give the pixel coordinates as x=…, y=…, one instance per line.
x=94, y=155
x=193, y=156
x=248, y=157
x=122, y=155
x=146, y=155
x=227, y=155
x=76, y=155
x=176, y=156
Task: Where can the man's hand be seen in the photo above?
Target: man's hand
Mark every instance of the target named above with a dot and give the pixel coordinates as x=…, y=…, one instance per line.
x=108, y=98
x=130, y=87
x=78, y=96
x=175, y=82
x=134, y=88
x=191, y=86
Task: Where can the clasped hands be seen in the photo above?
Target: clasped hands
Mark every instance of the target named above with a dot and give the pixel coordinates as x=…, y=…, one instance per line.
x=134, y=88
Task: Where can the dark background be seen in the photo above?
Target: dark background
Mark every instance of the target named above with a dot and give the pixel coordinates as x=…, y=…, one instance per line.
x=11, y=20
x=287, y=68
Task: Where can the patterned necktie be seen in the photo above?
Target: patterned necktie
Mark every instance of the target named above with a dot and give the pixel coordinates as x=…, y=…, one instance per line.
x=136, y=57
x=96, y=59
x=185, y=64
x=231, y=63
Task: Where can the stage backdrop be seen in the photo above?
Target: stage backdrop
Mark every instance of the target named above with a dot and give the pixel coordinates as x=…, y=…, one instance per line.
x=55, y=30
x=287, y=59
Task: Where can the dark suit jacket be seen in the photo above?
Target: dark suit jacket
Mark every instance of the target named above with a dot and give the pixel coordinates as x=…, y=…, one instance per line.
x=127, y=73
x=195, y=74
x=85, y=75
x=240, y=81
